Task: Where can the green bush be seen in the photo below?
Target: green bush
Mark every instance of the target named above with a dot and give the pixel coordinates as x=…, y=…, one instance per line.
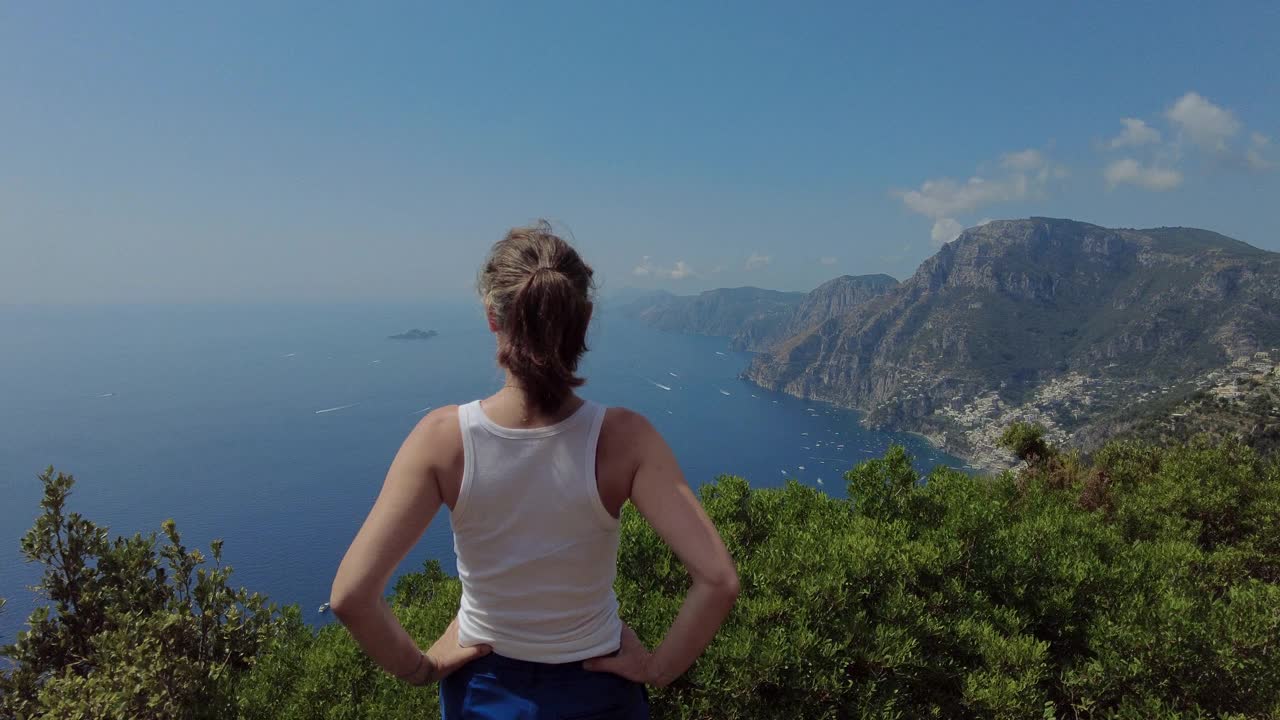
x=132, y=629
x=1144, y=584
x=1026, y=442
x=324, y=674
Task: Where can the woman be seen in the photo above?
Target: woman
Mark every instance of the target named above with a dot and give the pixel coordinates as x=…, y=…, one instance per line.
x=534, y=477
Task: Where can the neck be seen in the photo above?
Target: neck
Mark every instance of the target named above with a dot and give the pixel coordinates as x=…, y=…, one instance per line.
x=512, y=386
x=512, y=403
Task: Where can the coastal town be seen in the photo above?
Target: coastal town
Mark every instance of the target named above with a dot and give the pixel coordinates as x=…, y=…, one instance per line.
x=973, y=427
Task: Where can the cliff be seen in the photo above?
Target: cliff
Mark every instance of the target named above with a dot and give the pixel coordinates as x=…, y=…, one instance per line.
x=1053, y=321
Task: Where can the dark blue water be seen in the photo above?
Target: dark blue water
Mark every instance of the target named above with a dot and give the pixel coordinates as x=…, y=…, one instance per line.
x=208, y=415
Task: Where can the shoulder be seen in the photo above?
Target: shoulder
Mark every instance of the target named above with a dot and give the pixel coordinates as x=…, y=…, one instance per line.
x=625, y=422
x=627, y=438
x=626, y=433
x=439, y=421
x=438, y=434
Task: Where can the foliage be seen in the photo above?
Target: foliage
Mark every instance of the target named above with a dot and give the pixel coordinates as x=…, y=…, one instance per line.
x=1025, y=441
x=306, y=674
x=134, y=628
x=1145, y=584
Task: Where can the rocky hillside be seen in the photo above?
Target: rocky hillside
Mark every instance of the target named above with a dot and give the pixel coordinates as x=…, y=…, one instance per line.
x=753, y=318
x=838, y=297
x=1240, y=402
x=1056, y=321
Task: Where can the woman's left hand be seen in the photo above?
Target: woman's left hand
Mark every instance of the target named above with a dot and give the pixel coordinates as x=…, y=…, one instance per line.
x=446, y=655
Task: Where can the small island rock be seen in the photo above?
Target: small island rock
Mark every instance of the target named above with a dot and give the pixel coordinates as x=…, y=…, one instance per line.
x=414, y=334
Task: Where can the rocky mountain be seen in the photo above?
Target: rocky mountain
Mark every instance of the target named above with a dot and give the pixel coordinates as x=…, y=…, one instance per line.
x=838, y=297
x=1056, y=321
x=753, y=318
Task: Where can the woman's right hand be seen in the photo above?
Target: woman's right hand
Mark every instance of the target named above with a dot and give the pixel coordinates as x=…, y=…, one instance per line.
x=632, y=661
x=446, y=655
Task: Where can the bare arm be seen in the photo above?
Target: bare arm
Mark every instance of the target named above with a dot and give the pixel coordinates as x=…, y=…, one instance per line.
x=661, y=494
x=409, y=499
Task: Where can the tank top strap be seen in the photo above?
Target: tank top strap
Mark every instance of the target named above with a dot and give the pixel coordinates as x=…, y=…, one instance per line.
x=469, y=424
x=592, y=486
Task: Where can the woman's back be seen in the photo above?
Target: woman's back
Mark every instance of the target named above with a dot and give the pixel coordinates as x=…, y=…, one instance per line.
x=536, y=547
x=536, y=480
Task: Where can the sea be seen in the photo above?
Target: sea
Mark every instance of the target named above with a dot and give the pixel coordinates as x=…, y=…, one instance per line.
x=272, y=426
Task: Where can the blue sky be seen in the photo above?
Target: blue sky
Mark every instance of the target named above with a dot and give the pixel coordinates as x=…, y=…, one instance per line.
x=151, y=152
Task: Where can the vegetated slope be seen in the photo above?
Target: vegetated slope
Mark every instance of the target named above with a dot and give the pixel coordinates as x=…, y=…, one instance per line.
x=1141, y=584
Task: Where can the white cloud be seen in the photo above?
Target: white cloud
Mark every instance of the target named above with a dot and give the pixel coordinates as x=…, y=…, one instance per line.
x=1136, y=132
x=1196, y=127
x=1202, y=122
x=1021, y=174
x=1029, y=159
x=945, y=230
x=755, y=261
x=1254, y=160
x=1253, y=157
x=1026, y=172
x=827, y=260
x=679, y=271
x=944, y=197
x=1128, y=170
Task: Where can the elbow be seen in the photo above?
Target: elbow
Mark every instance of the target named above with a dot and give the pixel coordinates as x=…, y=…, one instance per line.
x=726, y=586
x=346, y=605
x=732, y=587
x=340, y=606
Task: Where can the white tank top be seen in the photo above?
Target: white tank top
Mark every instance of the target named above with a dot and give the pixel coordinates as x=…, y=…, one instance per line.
x=537, y=550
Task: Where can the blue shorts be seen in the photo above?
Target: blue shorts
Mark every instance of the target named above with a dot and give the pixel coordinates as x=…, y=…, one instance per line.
x=499, y=688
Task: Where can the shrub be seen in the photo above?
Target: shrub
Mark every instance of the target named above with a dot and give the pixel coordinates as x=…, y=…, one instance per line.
x=133, y=629
x=1145, y=584
x=1026, y=442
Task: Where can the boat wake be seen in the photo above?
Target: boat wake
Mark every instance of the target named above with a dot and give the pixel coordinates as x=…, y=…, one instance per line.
x=336, y=409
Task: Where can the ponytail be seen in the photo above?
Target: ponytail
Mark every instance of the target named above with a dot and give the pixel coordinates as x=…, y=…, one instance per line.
x=538, y=290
